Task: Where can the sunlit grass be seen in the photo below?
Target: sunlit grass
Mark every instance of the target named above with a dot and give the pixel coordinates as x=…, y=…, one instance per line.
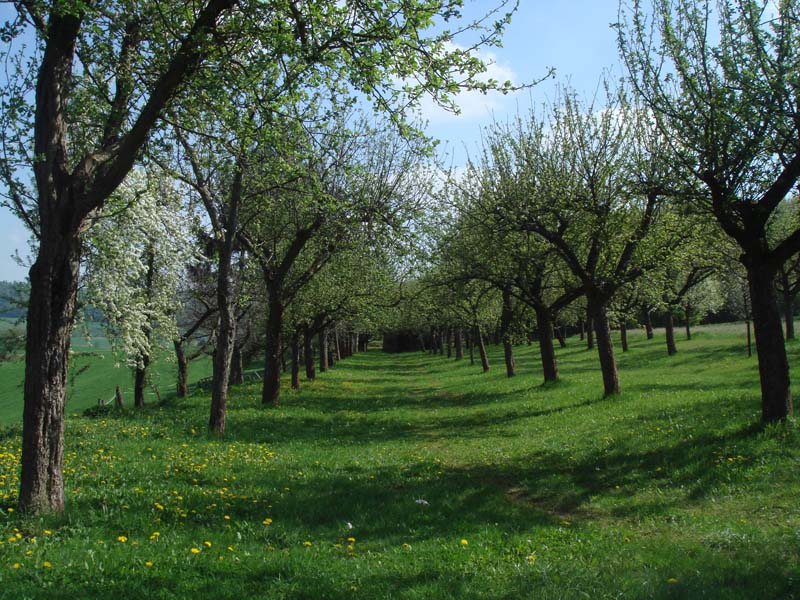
x=417, y=477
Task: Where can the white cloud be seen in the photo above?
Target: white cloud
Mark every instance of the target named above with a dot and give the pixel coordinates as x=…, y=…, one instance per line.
x=473, y=104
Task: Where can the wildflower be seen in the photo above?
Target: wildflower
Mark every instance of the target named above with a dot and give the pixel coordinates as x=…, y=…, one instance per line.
x=154, y=536
x=464, y=542
x=672, y=580
x=148, y=563
x=307, y=544
x=195, y=550
x=47, y=532
x=351, y=540
x=16, y=566
x=46, y=564
x=122, y=539
x=230, y=548
x=207, y=544
x=227, y=517
x=267, y=521
x=532, y=558
x=406, y=546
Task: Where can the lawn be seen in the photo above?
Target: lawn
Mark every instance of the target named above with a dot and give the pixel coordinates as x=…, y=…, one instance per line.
x=95, y=371
x=412, y=476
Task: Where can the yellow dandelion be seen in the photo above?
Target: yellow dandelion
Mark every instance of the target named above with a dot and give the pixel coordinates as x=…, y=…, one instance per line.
x=464, y=542
x=230, y=548
x=351, y=540
x=148, y=563
x=16, y=566
x=122, y=539
x=195, y=550
x=406, y=546
x=46, y=564
x=532, y=558
x=307, y=544
x=154, y=535
x=227, y=517
x=207, y=544
x=267, y=521
x=47, y=532
x=672, y=580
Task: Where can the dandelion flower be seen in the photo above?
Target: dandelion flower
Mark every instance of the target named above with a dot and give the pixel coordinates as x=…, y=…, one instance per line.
x=47, y=532
x=46, y=564
x=267, y=521
x=16, y=566
x=195, y=550
x=148, y=563
x=464, y=542
x=154, y=535
x=406, y=546
x=122, y=539
x=307, y=544
x=672, y=580
x=207, y=544
x=351, y=540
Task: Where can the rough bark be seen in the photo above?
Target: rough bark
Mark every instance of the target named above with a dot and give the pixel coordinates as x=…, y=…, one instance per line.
x=590, y=325
x=688, y=311
x=271, y=390
x=605, y=347
x=773, y=366
x=237, y=366
x=648, y=324
x=623, y=335
x=471, y=346
x=559, y=333
x=459, y=343
x=118, y=400
x=182, y=386
x=295, y=345
x=482, y=349
x=506, y=317
x=308, y=353
x=323, y=350
x=788, y=315
x=139, y=383
x=547, y=352
x=669, y=330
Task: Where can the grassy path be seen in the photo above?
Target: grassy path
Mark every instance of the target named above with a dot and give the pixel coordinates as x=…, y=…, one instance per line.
x=418, y=477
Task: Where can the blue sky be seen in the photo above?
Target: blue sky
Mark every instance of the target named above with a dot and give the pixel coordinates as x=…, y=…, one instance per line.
x=573, y=36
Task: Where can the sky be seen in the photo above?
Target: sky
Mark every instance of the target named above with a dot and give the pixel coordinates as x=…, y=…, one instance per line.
x=572, y=36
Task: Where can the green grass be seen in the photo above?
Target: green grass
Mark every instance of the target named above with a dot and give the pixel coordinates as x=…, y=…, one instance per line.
x=671, y=490
x=95, y=371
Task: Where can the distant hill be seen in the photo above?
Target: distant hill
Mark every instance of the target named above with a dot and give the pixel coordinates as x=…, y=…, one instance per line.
x=13, y=299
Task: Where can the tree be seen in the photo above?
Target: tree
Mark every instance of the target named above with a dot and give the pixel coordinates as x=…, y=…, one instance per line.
x=79, y=139
x=721, y=79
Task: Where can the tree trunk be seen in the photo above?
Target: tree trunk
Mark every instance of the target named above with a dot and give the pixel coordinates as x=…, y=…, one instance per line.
x=471, y=346
x=449, y=342
x=749, y=340
x=773, y=366
x=623, y=335
x=323, y=350
x=237, y=366
x=51, y=311
x=589, y=331
x=648, y=324
x=118, y=400
x=605, y=347
x=581, y=325
x=482, y=349
x=788, y=315
x=669, y=329
x=308, y=353
x=562, y=341
x=271, y=390
x=459, y=344
x=547, y=352
x=139, y=382
x=688, y=310
x=182, y=388
x=506, y=317
x=226, y=328
x=337, y=353
x=295, y=344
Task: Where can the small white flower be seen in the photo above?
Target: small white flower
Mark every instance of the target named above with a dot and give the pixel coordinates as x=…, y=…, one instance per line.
x=421, y=502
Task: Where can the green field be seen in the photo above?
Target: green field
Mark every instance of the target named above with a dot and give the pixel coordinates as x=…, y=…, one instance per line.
x=95, y=371
x=451, y=483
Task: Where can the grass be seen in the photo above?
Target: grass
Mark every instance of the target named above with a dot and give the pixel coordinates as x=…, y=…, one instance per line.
x=95, y=371
x=452, y=484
